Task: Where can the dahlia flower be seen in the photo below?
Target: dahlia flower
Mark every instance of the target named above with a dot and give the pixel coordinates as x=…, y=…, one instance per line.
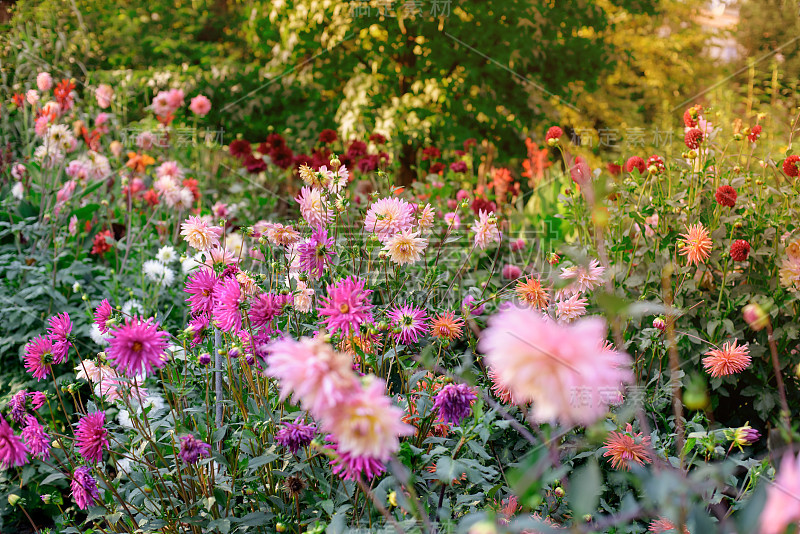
x=726, y=196
x=447, y=326
x=227, y=301
x=454, y=403
x=39, y=355
x=388, y=216
x=13, y=452
x=199, y=234
x=200, y=287
x=569, y=309
x=405, y=247
x=586, y=278
x=728, y=360
x=295, y=436
x=351, y=467
x=200, y=105
x=313, y=207
x=36, y=439
x=84, y=488
x=531, y=292
x=317, y=376
x=547, y=363
x=411, y=321
x=740, y=250
x=59, y=330
x=485, y=229
x=347, y=306
x=627, y=448
x=137, y=346
x=91, y=436
x=192, y=449
x=366, y=423
x=265, y=307
x=783, y=507
x=316, y=253
x=102, y=314
x=696, y=244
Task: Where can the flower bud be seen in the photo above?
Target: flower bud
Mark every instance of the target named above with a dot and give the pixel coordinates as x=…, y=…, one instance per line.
x=755, y=316
x=660, y=323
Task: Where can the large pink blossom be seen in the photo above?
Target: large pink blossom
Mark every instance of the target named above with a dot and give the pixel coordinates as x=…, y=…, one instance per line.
x=347, y=306
x=366, y=423
x=317, y=376
x=567, y=371
x=388, y=216
x=783, y=505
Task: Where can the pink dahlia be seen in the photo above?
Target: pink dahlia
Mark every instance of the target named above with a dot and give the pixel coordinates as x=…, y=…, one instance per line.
x=569, y=309
x=137, y=346
x=59, y=330
x=199, y=234
x=367, y=423
x=228, y=299
x=13, y=452
x=351, y=467
x=783, y=507
x=37, y=440
x=410, y=323
x=317, y=376
x=316, y=253
x=101, y=316
x=485, y=229
x=200, y=287
x=696, y=244
x=313, y=207
x=92, y=437
x=347, y=306
x=265, y=307
x=389, y=216
x=200, y=105
x=39, y=355
x=586, y=278
x=84, y=488
x=555, y=365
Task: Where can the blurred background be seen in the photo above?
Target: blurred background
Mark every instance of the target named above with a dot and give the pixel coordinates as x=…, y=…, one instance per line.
x=613, y=73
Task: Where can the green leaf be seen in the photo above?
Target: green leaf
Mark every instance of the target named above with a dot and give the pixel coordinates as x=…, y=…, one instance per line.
x=584, y=489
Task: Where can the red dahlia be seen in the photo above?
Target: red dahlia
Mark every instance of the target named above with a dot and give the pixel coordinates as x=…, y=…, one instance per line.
x=693, y=138
x=726, y=196
x=327, y=136
x=240, y=148
x=614, y=169
x=554, y=132
x=691, y=115
x=657, y=162
x=755, y=133
x=635, y=162
x=740, y=250
x=790, y=165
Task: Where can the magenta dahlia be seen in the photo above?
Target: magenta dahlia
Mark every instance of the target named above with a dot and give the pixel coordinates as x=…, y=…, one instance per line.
x=316, y=253
x=37, y=440
x=91, y=436
x=295, y=436
x=410, y=323
x=84, y=488
x=102, y=314
x=38, y=356
x=13, y=452
x=454, y=402
x=192, y=449
x=59, y=330
x=347, y=306
x=228, y=299
x=137, y=346
x=265, y=307
x=200, y=287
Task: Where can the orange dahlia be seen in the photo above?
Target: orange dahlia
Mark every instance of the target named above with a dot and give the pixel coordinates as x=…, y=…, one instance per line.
x=447, y=326
x=627, y=447
x=728, y=360
x=531, y=291
x=696, y=244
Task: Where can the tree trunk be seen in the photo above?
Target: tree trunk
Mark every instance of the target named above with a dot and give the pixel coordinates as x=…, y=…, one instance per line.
x=407, y=162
